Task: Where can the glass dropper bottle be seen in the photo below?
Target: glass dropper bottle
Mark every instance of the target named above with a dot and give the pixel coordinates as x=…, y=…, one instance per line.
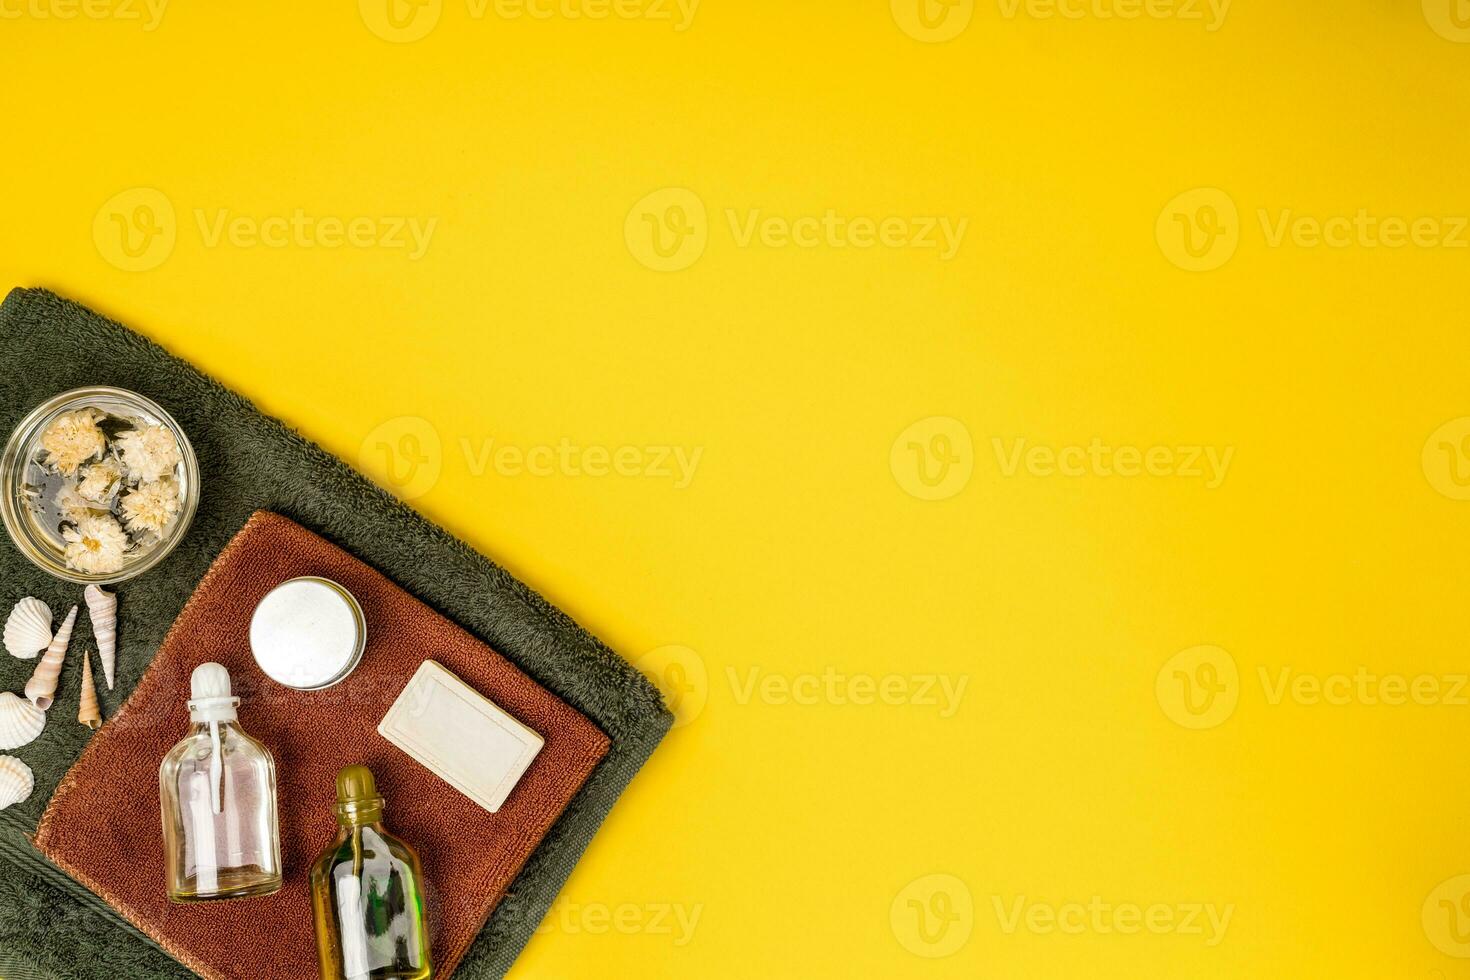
x=217, y=789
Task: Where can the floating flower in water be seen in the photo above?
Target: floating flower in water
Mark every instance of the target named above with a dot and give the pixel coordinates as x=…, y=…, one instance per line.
x=150, y=453
x=73, y=438
x=73, y=505
x=107, y=485
x=151, y=506
x=95, y=545
x=100, y=480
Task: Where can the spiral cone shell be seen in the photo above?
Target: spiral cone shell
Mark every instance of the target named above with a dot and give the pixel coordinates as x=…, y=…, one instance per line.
x=102, y=607
x=41, y=688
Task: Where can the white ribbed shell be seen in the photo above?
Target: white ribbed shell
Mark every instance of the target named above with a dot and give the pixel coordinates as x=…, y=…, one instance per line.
x=20, y=721
x=28, y=630
x=16, y=781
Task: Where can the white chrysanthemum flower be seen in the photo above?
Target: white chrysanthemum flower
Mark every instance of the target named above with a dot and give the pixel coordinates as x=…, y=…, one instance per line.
x=73, y=438
x=95, y=545
x=100, y=480
x=150, y=453
x=152, y=506
x=73, y=505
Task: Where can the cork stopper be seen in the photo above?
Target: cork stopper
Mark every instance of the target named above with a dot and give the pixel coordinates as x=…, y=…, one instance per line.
x=355, y=784
x=358, y=801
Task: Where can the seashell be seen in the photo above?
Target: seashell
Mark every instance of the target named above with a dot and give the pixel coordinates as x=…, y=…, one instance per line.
x=28, y=630
x=20, y=721
x=89, y=714
x=16, y=781
x=102, y=607
x=41, y=688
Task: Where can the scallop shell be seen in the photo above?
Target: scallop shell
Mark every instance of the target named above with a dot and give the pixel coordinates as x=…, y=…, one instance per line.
x=102, y=607
x=16, y=781
x=88, y=713
x=41, y=688
x=20, y=721
x=28, y=630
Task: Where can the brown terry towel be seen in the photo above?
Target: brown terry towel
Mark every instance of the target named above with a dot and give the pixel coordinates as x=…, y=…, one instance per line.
x=102, y=826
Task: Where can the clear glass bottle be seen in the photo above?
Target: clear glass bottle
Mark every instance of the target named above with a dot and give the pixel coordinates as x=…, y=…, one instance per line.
x=367, y=890
x=218, y=793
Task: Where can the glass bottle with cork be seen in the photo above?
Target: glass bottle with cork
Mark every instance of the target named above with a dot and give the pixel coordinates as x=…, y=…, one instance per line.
x=367, y=893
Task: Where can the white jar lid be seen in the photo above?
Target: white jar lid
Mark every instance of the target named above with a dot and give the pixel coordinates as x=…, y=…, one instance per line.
x=308, y=633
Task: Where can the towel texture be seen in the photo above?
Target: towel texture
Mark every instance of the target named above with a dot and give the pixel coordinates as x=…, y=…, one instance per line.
x=50, y=926
x=96, y=827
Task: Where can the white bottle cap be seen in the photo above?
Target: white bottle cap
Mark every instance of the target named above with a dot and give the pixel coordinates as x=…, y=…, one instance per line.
x=211, y=701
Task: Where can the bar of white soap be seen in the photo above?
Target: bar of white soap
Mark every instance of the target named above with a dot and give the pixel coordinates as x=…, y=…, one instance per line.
x=460, y=736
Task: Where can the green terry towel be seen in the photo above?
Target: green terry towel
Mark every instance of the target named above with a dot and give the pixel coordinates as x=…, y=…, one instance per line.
x=51, y=927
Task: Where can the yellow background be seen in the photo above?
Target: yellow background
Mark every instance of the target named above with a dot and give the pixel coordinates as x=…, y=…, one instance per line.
x=794, y=829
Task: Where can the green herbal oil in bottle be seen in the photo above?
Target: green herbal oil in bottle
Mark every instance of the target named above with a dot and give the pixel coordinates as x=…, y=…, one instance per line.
x=367, y=890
